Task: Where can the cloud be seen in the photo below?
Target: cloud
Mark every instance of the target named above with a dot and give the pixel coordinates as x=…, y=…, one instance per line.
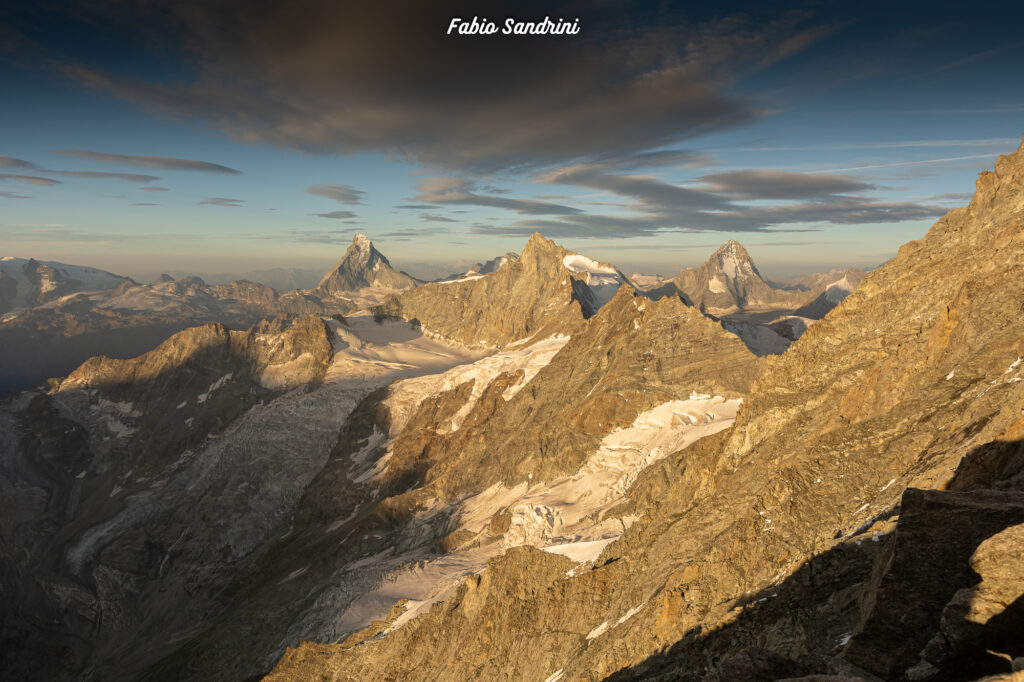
x=128, y=177
x=408, y=235
x=13, y=195
x=144, y=203
x=222, y=201
x=718, y=205
x=417, y=207
x=11, y=162
x=161, y=162
x=446, y=190
x=154, y=189
x=894, y=164
x=767, y=184
x=337, y=215
x=432, y=218
x=957, y=197
x=315, y=236
x=343, y=193
x=314, y=77
x=31, y=179
x=56, y=234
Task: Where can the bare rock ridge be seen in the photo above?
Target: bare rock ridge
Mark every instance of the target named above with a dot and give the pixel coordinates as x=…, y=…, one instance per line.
x=363, y=266
x=131, y=474
x=781, y=538
x=26, y=282
x=548, y=289
x=730, y=281
x=484, y=268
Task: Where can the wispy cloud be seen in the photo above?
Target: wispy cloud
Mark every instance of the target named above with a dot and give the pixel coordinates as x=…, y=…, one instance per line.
x=978, y=56
x=337, y=215
x=222, y=201
x=99, y=175
x=346, y=194
x=30, y=179
x=770, y=184
x=445, y=190
x=894, y=164
x=154, y=189
x=161, y=162
x=13, y=195
x=11, y=162
x=433, y=218
x=144, y=203
x=1001, y=142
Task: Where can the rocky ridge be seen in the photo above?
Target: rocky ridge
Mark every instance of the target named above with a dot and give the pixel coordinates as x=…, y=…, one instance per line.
x=363, y=266
x=911, y=382
x=729, y=281
x=547, y=290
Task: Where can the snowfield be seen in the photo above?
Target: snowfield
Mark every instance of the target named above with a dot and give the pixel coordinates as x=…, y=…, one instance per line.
x=561, y=517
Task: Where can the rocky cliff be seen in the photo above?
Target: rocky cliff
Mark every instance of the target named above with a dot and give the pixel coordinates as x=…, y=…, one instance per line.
x=363, y=266
x=762, y=552
x=548, y=290
x=729, y=281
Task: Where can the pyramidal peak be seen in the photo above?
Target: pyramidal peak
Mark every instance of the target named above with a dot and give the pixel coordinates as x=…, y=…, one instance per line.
x=363, y=266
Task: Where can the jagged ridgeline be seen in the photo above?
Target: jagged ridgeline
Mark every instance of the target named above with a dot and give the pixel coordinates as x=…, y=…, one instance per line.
x=796, y=542
x=536, y=470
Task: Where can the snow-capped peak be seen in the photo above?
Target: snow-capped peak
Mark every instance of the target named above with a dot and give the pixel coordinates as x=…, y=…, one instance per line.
x=362, y=242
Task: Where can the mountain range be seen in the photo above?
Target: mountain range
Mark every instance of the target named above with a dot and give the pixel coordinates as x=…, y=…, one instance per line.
x=547, y=471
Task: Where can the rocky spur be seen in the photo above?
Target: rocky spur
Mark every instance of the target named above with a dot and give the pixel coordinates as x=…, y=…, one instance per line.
x=512, y=26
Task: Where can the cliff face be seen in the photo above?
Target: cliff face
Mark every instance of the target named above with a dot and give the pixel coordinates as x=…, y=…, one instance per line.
x=128, y=491
x=766, y=534
x=363, y=266
x=548, y=290
x=729, y=281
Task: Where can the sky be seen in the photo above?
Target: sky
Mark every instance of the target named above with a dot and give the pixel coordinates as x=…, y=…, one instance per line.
x=212, y=137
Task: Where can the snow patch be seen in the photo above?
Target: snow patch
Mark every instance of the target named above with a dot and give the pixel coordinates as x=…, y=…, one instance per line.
x=581, y=552
x=203, y=397
x=629, y=614
x=598, y=631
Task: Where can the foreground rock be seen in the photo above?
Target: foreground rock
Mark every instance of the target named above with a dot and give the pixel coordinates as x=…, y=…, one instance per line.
x=918, y=369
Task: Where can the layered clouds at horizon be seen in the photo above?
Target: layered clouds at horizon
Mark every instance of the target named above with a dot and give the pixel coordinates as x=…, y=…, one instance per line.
x=232, y=137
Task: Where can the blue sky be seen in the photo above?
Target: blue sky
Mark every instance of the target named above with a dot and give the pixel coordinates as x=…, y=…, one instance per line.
x=818, y=135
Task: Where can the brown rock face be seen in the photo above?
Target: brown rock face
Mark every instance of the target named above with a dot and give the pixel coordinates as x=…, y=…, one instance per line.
x=363, y=266
x=761, y=534
x=534, y=296
x=927, y=562
x=634, y=354
x=729, y=281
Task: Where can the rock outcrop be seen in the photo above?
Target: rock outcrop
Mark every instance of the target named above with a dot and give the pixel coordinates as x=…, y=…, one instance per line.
x=729, y=282
x=548, y=290
x=363, y=266
x=896, y=388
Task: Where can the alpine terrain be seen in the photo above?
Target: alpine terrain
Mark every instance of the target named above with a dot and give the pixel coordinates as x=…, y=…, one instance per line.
x=537, y=470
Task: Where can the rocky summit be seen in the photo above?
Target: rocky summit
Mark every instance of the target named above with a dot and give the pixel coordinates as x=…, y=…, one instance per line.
x=805, y=540
x=363, y=266
x=729, y=281
x=548, y=289
x=541, y=472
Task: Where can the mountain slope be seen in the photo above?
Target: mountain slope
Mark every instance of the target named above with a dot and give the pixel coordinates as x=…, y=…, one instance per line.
x=729, y=281
x=549, y=289
x=485, y=268
x=28, y=282
x=363, y=266
x=763, y=535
